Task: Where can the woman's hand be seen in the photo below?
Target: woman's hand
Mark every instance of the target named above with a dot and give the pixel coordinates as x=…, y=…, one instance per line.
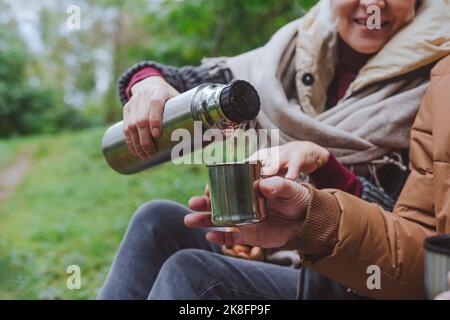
x=292, y=158
x=142, y=115
x=286, y=202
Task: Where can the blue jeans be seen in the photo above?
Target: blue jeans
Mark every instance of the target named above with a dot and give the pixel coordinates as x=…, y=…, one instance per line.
x=160, y=258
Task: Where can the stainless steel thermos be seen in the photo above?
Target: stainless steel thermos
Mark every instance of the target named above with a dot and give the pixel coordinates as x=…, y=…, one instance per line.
x=214, y=105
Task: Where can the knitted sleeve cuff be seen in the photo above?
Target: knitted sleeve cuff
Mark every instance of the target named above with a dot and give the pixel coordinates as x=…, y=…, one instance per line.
x=139, y=76
x=182, y=79
x=334, y=174
x=169, y=73
x=318, y=234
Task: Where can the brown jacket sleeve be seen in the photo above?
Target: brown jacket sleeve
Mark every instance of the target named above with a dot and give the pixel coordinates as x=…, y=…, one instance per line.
x=353, y=234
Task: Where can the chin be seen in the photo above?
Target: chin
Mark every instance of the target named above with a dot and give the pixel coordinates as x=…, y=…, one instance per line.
x=367, y=48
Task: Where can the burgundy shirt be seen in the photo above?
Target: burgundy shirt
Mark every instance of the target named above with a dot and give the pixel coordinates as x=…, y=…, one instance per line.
x=333, y=174
x=348, y=64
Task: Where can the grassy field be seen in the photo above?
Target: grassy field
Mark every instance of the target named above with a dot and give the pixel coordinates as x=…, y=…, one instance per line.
x=72, y=209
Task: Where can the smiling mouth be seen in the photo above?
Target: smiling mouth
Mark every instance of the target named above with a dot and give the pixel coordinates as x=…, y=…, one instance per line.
x=363, y=22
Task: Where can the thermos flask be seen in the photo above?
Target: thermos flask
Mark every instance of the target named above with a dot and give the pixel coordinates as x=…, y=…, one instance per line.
x=213, y=105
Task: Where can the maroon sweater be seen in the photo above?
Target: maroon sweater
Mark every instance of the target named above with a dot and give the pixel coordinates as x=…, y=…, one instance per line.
x=333, y=174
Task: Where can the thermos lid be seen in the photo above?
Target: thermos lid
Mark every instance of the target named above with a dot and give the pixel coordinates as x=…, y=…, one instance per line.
x=240, y=101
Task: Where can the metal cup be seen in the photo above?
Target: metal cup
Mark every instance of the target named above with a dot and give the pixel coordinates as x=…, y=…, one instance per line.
x=235, y=197
x=437, y=264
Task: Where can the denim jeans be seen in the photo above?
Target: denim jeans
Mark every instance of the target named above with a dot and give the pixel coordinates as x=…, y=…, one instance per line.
x=161, y=258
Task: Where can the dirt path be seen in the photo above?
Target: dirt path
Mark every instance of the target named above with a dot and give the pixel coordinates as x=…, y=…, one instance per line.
x=12, y=175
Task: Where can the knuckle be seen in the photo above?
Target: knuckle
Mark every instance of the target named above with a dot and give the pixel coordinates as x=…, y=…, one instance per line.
x=142, y=123
x=156, y=102
x=147, y=144
x=130, y=104
x=132, y=127
x=155, y=122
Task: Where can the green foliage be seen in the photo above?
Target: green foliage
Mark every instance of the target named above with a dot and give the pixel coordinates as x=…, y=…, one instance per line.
x=27, y=109
x=190, y=30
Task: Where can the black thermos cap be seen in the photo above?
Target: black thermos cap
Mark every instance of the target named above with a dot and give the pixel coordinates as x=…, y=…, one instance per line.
x=240, y=101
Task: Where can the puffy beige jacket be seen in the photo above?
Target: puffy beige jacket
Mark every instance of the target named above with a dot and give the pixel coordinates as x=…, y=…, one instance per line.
x=360, y=234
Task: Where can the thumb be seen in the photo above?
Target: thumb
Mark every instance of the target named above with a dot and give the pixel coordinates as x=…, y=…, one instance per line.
x=285, y=196
x=280, y=188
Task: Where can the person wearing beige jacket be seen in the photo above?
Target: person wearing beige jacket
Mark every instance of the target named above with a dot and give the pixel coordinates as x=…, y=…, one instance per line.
x=341, y=236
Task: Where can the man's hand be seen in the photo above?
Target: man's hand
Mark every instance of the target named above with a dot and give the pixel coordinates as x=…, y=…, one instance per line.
x=286, y=205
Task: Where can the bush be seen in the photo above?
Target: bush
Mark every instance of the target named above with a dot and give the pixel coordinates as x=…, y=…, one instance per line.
x=27, y=109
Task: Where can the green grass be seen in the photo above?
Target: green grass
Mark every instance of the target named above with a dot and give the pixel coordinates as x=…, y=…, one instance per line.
x=72, y=209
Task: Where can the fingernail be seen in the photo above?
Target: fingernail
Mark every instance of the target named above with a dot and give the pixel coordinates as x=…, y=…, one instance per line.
x=155, y=132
